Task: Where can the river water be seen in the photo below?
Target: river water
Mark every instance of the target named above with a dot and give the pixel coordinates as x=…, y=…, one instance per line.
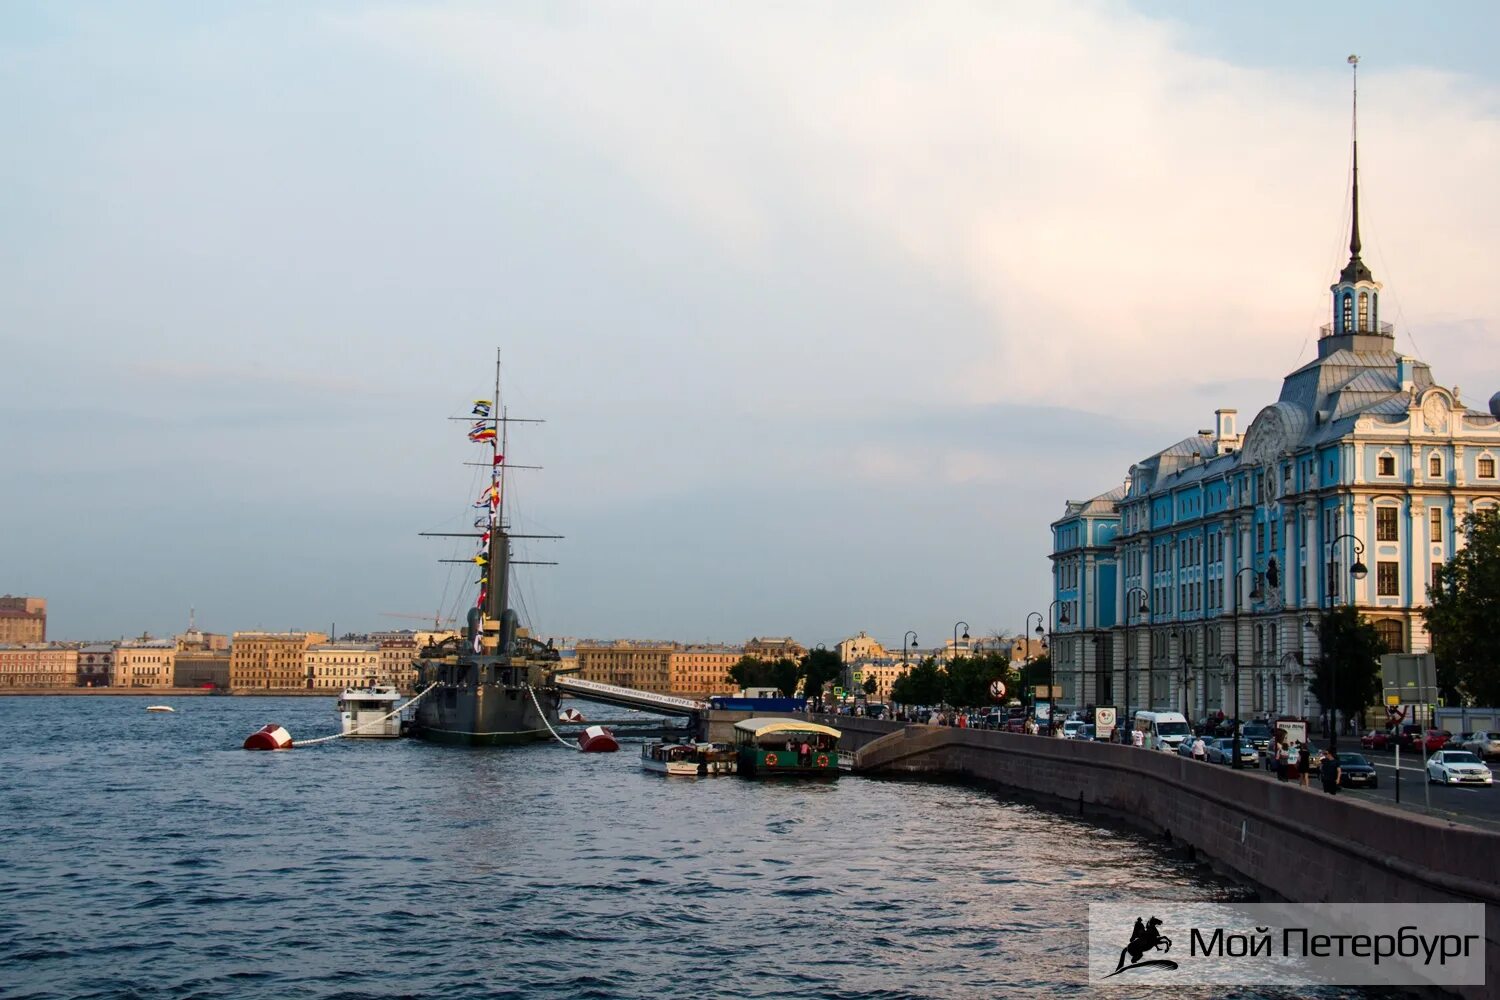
x=146, y=855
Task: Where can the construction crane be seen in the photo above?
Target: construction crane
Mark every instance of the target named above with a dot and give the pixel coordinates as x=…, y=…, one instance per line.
x=437, y=620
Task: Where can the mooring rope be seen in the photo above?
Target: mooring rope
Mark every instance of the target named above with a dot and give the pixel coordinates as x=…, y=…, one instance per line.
x=339, y=736
x=532, y=691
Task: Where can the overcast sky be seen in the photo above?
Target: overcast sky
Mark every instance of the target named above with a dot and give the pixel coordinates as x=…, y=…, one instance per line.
x=829, y=307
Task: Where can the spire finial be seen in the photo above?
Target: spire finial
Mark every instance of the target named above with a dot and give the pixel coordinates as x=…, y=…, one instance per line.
x=1355, y=270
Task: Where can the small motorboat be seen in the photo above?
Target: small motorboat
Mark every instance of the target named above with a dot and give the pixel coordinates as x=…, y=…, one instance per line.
x=669, y=758
x=597, y=739
x=160, y=708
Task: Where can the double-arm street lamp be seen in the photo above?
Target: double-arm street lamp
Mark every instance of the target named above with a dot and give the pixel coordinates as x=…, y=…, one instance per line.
x=1187, y=661
x=1062, y=619
x=1144, y=609
x=1358, y=572
x=1255, y=595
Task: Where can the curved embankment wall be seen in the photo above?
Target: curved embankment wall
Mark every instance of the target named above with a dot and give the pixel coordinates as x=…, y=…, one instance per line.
x=1302, y=845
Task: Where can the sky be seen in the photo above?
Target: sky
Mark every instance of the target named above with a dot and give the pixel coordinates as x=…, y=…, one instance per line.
x=829, y=308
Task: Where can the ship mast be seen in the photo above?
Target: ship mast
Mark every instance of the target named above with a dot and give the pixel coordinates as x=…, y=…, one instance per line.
x=497, y=595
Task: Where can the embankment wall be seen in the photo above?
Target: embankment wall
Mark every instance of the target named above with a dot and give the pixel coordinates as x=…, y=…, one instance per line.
x=1302, y=845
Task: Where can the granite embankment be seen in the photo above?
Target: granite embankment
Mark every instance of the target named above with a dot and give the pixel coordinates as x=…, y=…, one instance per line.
x=1299, y=845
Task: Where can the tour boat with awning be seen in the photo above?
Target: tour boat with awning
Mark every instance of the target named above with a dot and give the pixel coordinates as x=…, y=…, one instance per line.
x=767, y=747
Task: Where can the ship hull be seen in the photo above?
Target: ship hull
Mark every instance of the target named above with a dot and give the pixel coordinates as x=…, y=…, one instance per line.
x=484, y=702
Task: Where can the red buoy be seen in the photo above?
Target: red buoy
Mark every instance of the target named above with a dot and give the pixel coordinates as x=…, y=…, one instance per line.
x=597, y=739
x=272, y=737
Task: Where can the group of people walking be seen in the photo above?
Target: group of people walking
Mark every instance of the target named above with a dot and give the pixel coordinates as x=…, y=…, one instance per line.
x=1293, y=761
x=1297, y=761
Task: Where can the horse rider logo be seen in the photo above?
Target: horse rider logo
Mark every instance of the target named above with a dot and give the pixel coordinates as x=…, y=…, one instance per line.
x=1146, y=937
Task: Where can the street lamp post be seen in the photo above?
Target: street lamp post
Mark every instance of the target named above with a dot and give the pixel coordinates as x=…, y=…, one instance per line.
x=1357, y=571
x=1187, y=661
x=1254, y=593
x=955, y=636
x=1062, y=619
x=1145, y=609
x=1026, y=638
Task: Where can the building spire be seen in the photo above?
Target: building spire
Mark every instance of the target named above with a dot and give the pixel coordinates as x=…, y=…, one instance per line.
x=1355, y=270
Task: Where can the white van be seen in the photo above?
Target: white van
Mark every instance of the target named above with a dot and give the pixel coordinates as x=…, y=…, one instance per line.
x=1162, y=730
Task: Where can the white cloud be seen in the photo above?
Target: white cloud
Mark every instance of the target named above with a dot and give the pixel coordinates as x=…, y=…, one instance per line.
x=1127, y=217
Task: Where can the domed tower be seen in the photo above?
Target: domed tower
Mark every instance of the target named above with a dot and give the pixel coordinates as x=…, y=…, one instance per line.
x=1356, y=322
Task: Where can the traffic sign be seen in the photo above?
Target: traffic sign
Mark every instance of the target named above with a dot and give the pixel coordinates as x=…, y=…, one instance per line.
x=997, y=690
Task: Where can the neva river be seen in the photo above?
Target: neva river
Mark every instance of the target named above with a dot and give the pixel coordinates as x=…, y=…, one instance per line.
x=146, y=856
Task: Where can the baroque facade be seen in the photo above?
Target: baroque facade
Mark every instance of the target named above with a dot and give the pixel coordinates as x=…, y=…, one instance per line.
x=1222, y=550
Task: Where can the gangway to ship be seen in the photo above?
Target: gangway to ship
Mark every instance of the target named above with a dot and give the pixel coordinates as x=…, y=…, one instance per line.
x=645, y=701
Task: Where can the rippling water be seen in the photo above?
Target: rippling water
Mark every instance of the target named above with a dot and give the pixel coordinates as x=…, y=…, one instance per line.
x=148, y=856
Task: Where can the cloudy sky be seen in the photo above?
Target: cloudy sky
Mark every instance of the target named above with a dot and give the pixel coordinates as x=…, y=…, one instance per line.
x=829, y=307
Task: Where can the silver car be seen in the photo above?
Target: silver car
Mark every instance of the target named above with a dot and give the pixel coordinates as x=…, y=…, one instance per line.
x=1221, y=751
x=1484, y=745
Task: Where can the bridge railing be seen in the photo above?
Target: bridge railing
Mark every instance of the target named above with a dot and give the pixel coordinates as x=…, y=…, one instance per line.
x=578, y=685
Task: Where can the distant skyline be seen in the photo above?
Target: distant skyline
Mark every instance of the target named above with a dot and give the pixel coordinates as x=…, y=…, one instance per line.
x=829, y=309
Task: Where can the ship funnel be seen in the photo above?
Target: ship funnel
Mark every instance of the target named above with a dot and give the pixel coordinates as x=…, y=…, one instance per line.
x=508, y=625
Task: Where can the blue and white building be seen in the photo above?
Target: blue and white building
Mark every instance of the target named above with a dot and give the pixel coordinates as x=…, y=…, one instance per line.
x=1223, y=548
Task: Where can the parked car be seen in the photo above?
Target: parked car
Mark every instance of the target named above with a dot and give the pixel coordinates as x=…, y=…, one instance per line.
x=1409, y=736
x=1436, y=739
x=1377, y=739
x=1356, y=772
x=1458, y=767
x=1484, y=745
x=1221, y=751
x=1071, y=728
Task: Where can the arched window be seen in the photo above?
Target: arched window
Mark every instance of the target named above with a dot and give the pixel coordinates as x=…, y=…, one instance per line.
x=1348, y=312
x=1392, y=633
x=1364, y=311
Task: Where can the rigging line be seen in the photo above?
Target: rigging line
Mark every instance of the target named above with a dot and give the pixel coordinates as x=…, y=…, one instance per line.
x=531, y=691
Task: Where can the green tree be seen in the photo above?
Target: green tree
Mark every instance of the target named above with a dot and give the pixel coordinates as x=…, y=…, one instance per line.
x=1031, y=676
x=819, y=667
x=1464, y=614
x=870, y=686
x=1347, y=674
x=968, y=678
x=921, y=685
x=784, y=676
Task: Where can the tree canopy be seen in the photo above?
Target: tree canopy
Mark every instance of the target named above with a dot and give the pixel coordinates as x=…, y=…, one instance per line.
x=819, y=667
x=751, y=672
x=965, y=681
x=921, y=685
x=1347, y=673
x=1464, y=614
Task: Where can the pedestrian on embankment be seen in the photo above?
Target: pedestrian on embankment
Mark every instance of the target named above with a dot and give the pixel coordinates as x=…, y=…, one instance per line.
x=1330, y=772
x=1304, y=763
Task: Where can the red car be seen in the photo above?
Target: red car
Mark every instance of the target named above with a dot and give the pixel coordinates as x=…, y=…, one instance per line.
x=1436, y=739
x=1377, y=739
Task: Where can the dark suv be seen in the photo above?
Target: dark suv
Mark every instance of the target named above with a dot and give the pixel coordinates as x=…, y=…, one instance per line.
x=1257, y=734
